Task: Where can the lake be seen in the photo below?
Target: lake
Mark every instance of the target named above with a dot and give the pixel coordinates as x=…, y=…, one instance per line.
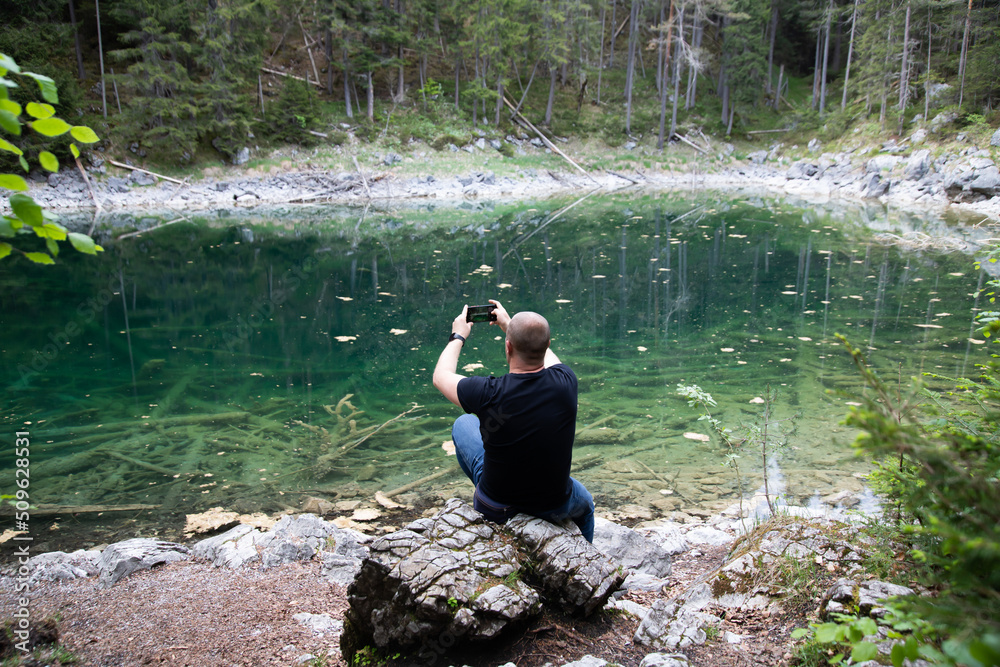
x=252, y=359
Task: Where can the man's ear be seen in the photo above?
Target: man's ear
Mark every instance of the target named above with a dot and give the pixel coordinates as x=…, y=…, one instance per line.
x=508, y=348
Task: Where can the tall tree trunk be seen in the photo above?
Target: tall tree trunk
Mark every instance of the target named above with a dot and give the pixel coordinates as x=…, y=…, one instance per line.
x=850, y=52
x=600, y=64
x=817, y=67
x=553, y=73
x=371, y=98
x=904, y=71
x=100, y=52
x=633, y=36
x=614, y=32
x=677, y=72
x=965, y=54
x=496, y=115
x=927, y=76
x=826, y=59
x=458, y=72
x=692, y=87
x=773, y=32
x=885, y=80
x=328, y=52
x=80, y=72
x=347, y=84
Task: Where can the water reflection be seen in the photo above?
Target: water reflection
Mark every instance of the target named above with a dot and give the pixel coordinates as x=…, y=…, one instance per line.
x=207, y=365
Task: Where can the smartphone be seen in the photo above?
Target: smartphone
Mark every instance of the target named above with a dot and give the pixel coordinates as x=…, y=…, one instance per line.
x=481, y=313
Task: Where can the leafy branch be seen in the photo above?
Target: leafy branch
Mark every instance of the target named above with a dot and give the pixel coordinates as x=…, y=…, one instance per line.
x=27, y=216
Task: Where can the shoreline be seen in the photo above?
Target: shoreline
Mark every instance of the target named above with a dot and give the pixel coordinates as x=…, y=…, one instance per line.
x=965, y=186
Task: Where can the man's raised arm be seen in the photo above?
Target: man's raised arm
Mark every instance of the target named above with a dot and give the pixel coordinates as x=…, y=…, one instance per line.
x=446, y=377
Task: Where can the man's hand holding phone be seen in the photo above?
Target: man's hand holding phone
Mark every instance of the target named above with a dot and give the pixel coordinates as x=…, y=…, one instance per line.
x=501, y=318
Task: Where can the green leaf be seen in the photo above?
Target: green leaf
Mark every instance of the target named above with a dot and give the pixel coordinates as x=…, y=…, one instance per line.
x=52, y=230
x=47, y=86
x=25, y=208
x=48, y=161
x=10, y=123
x=75, y=151
x=5, y=249
x=7, y=63
x=13, y=182
x=867, y=625
x=11, y=106
x=24, y=163
x=84, y=134
x=10, y=148
x=827, y=633
x=84, y=243
x=897, y=655
x=9, y=226
x=36, y=110
x=51, y=127
x=799, y=633
x=52, y=246
x=863, y=652
x=39, y=258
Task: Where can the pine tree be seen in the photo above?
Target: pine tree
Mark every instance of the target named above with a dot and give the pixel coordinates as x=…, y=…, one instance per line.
x=163, y=113
x=231, y=37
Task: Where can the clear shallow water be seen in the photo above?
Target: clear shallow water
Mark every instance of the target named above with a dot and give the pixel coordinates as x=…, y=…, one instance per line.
x=189, y=367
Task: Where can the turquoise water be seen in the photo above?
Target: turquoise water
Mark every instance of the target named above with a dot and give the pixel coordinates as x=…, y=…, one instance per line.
x=189, y=367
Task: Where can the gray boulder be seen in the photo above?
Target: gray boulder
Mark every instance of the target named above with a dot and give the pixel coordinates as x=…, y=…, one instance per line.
x=664, y=660
x=918, y=164
x=630, y=549
x=455, y=578
x=995, y=139
x=866, y=598
x=123, y=558
x=391, y=159
x=61, y=566
x=445, y=576
x=567, y=569
x=587, y=661
x=877, y=187
x=803, y=169
x=339, y=569
x=758, y=157
x=881, y=163
x=707, y=535
x=480, y=143
x=814, y=145
x=496, y=144
x=942, y=119
x=116, y=184
x=242, y=156
x=677, y=623
x=141, y=178
x=320, y=624
x=986, y=182
x=233, y=548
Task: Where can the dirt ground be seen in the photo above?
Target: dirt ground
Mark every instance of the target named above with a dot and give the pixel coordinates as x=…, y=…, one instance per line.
x=193, y=614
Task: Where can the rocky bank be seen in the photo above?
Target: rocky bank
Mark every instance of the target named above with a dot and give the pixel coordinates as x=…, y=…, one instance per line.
x=451, y=588
x=916, y=172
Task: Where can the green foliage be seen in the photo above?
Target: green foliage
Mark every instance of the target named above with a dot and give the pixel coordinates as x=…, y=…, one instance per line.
x=297, y=112
x=28, y=217
x=946, y=477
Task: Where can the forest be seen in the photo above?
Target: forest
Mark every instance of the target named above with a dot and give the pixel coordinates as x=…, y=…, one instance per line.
x=186, y=81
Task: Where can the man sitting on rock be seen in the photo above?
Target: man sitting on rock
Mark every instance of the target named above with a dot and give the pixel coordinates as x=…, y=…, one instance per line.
x=516, y=443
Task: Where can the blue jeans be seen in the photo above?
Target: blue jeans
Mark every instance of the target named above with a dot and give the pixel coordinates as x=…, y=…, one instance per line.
x=469, y=451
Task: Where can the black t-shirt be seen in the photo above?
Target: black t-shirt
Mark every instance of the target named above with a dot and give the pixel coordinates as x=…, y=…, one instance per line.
x=528, y=421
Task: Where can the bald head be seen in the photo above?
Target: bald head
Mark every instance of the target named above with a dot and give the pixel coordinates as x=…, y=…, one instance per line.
x=528, y=334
